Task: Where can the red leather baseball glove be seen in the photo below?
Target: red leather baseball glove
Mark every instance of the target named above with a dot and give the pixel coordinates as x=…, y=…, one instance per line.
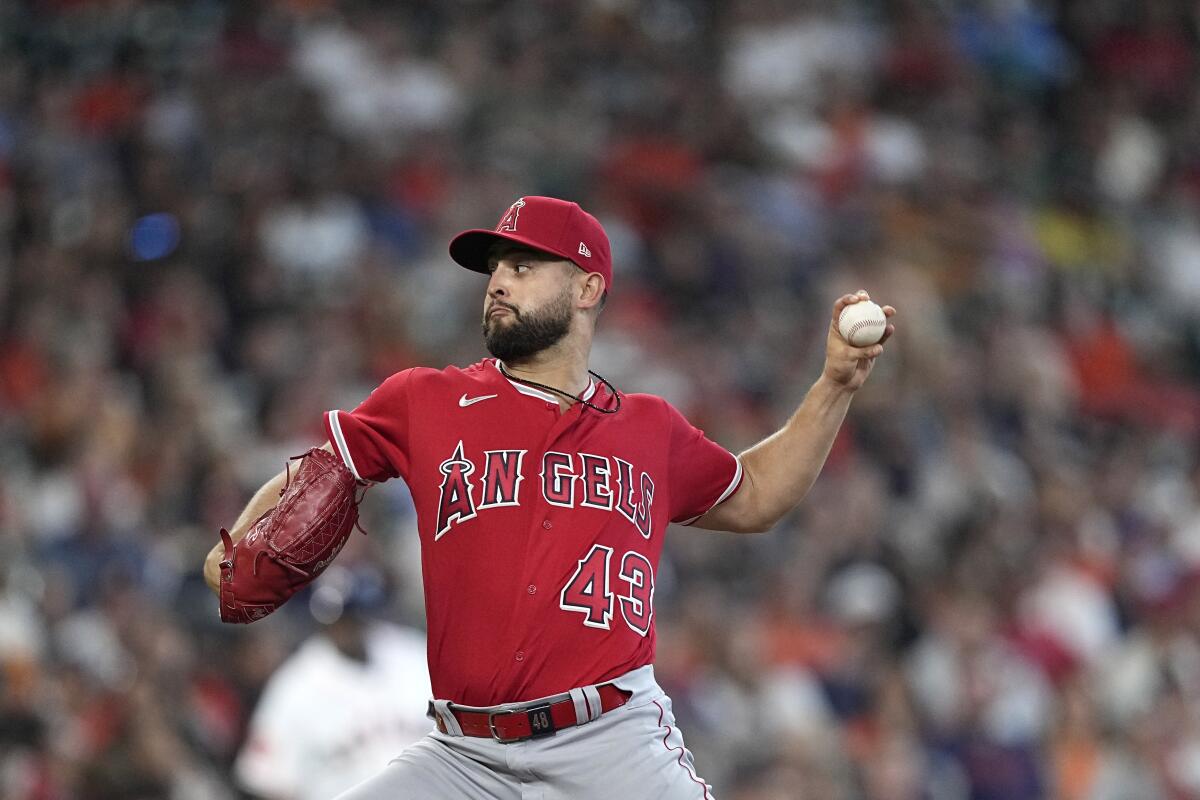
x=293, y=543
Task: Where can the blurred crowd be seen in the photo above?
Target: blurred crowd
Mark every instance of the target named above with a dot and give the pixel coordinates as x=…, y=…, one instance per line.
x=219, y=219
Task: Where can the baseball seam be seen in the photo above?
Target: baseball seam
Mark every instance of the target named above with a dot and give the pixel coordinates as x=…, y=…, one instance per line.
x=862, y=323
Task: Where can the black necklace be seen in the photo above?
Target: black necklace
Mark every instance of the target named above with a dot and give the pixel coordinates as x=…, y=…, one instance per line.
x=568, y=395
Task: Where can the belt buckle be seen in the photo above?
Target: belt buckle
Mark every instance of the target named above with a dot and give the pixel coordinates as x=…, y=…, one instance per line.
x=495, y=733
x=541, y=723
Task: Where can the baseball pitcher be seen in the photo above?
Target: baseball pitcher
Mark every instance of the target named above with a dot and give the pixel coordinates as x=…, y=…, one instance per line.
x=543, y=494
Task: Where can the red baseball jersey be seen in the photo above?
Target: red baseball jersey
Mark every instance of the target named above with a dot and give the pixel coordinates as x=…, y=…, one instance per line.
x=540, y=531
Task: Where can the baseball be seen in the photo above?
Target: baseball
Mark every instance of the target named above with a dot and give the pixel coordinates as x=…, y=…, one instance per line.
x=862, y=323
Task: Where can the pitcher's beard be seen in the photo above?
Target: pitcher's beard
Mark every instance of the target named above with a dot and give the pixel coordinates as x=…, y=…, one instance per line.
x=528, y=333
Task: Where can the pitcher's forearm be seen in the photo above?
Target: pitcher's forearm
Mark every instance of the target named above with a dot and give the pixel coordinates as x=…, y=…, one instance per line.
x=778, y=471
x=784, y=466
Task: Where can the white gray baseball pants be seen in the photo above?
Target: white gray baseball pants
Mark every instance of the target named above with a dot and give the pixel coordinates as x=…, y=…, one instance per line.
x=632, y=752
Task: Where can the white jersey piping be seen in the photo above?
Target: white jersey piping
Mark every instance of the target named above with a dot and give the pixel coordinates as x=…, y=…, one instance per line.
x=538, y=393
x=339, y=441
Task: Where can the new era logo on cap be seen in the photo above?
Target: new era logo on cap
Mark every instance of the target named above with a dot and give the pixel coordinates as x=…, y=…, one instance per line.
x=554, y=226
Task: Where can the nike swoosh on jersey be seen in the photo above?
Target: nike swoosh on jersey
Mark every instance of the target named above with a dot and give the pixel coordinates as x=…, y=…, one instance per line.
x=463, y=402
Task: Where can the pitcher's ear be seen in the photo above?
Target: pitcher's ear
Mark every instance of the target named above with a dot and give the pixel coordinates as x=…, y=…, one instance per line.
x=592, y=290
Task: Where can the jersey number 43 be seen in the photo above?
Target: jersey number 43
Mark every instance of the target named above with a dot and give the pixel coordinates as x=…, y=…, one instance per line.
x=588, y=591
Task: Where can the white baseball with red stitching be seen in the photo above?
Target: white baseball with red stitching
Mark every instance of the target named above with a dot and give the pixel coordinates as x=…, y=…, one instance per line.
x=862, y=323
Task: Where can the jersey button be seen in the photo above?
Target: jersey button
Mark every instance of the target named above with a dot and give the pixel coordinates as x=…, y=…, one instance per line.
x=531, y=589
x=547, y=524
x=520, y=655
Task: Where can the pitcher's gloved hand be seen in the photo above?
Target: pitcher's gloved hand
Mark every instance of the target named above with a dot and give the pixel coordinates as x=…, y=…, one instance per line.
x=290, y=545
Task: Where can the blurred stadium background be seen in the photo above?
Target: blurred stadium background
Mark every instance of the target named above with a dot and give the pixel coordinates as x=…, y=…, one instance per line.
x=219, y=219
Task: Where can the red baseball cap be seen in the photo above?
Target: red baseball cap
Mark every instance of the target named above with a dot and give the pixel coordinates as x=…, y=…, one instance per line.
x=548, y=224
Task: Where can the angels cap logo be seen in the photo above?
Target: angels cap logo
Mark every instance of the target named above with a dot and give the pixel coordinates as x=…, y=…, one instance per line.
x=509, y=221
